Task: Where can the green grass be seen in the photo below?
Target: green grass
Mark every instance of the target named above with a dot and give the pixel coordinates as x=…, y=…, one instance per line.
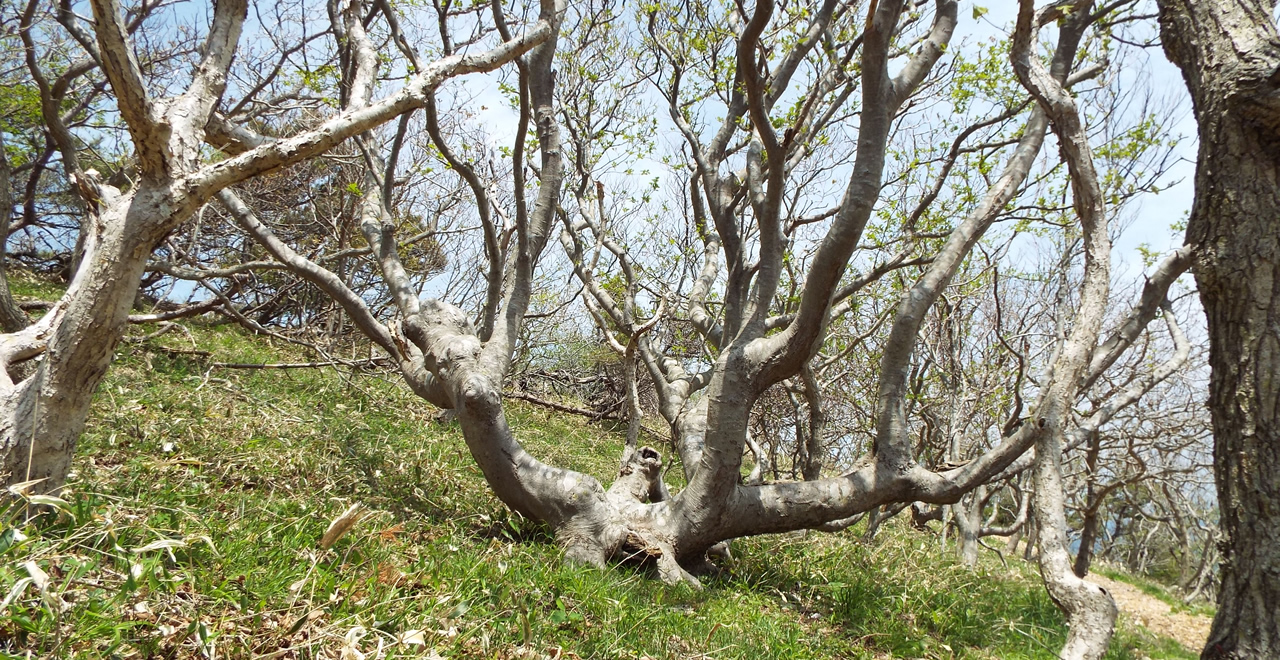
x=25, y=285
x=191, y=524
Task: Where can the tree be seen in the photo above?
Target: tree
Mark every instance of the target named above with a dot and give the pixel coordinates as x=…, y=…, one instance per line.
x=794, y=173
x=757, y=335
x=1229, y=53
x=43, y=413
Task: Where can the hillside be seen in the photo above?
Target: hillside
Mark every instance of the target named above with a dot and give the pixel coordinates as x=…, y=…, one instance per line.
x=191, y=528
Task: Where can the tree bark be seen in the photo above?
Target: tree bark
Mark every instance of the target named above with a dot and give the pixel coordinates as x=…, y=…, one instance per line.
x=1229, y=54
x=41, y=417
x=1090, y=610
x=1089, y=529
x=968, y=518
x=12, y=319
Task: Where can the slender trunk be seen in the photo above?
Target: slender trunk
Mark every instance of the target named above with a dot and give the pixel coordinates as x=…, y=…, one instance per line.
x=635, y=414
x=969, y=526
x=1089, y=529
x=1011, y=546
x=1088, y=537
x=1091, y=612
x=817, y=425
x=1033, y=535
x=1229, y=54
x=12, y=319
x=1203, y=575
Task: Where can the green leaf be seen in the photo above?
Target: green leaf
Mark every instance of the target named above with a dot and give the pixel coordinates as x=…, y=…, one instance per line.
x=10, y=538
x=49, y=500
x=979, y=12
x=459, y=610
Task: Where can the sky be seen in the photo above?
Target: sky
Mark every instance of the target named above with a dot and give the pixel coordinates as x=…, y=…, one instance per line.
x=1152, y=215
x=1149, y=218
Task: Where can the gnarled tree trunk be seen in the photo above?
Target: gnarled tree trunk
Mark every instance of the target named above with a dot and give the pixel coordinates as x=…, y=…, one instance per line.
x=1229, y=53
x=42, y=413
x=1091, y=612
x=41, y=416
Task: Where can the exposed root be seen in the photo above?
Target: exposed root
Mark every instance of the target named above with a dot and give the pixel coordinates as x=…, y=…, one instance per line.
x=720, y=551
x=592, y=542
x=649, y=547
x=587, y=554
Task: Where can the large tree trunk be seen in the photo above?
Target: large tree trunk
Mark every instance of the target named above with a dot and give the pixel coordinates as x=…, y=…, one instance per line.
x=1229, y=53
x=41, y=416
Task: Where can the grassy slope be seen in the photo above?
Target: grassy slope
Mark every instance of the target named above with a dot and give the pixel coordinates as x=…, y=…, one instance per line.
x=191, y=529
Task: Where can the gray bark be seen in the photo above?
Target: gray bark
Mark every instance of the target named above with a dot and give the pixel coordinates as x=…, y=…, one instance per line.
x=42, y=414
x=1090, y=610
x=1229, y=53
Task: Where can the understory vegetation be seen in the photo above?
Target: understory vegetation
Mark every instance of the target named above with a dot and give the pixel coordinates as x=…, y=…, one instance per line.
x=191, y=523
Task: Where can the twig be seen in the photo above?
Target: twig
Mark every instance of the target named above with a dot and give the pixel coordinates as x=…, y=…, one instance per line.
x=300, y=365
x=523, y=396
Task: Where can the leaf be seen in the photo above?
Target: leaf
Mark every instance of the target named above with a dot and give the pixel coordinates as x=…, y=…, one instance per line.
x=20, y=489
x=204, y=641
x=11, y=537
x=15, y=592
x=389, y=534
x=49, y=500
x=979, y=12
x=209, y=542
x=351, y=644
x=162, y=544
x=38, y=576
x=412, y=638
x=41, y=580
x=341, y=525
x=459, y=610
x=297, y=625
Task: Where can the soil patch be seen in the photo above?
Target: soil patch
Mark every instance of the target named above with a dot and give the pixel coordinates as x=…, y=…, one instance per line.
x=1190, y=630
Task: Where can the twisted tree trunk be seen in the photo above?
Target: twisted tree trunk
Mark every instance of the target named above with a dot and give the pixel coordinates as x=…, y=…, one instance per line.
x=41, y=416
x=1091, y=612
x=42, y=413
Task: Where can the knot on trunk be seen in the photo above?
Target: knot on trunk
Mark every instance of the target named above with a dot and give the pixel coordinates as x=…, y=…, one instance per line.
x=640, y=478
x=442, y=332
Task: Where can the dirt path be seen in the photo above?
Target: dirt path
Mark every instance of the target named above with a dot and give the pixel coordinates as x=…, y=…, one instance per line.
x=1191, y=630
